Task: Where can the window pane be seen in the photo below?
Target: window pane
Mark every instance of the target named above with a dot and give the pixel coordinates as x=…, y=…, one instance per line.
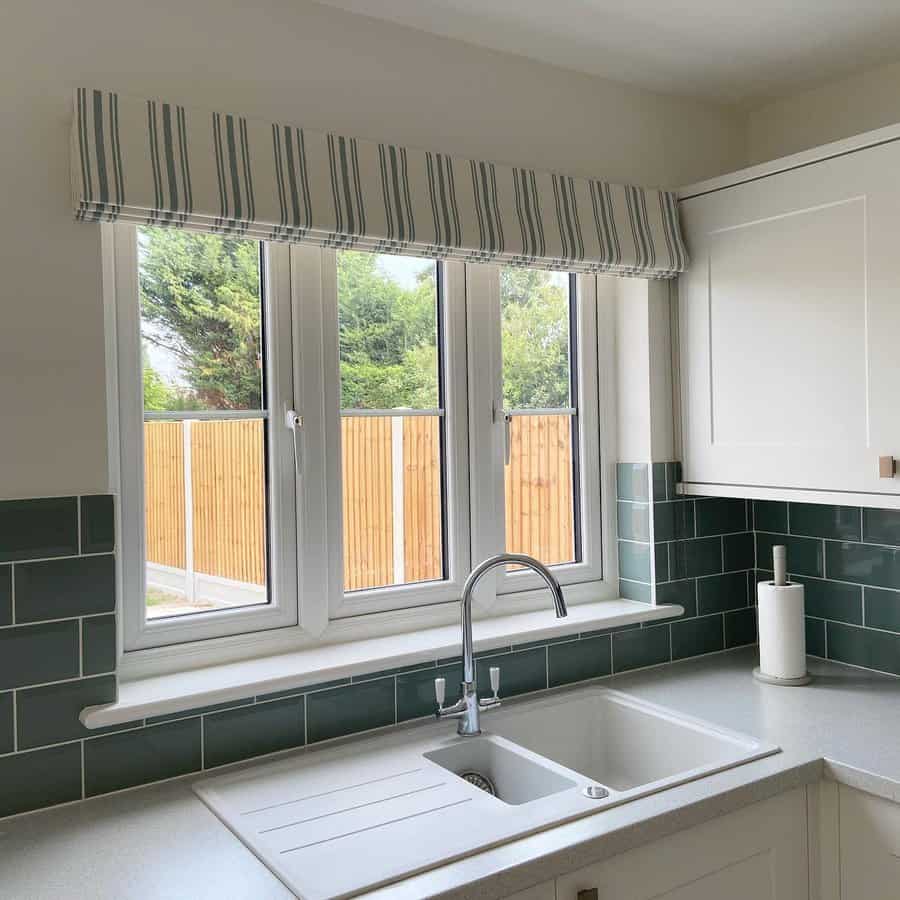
x=535, y=326
x=392, y=461
x=204, y=463
x=540, y=475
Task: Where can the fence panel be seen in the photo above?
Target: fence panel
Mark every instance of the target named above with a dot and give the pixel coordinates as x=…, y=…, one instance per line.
x=227, y=479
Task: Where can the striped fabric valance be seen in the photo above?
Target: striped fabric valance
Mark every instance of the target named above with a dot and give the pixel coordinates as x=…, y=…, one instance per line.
x=151, y=162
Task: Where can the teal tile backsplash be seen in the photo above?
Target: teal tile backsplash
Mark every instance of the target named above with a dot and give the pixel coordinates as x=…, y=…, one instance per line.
x=58, y=633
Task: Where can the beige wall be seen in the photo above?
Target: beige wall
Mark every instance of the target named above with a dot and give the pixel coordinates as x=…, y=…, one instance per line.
x=284, y=59
x=837, y=110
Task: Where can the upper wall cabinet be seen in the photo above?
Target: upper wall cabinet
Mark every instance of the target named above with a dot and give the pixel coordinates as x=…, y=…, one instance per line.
x=789, y=329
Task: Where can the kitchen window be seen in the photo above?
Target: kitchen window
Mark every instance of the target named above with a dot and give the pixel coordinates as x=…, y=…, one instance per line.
x=314, y=436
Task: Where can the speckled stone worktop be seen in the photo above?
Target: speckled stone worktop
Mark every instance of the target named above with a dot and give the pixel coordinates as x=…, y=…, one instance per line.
x=162, y=842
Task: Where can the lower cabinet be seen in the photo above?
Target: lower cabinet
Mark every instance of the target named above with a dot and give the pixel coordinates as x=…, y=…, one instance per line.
x=756, y=853
x=869, y=846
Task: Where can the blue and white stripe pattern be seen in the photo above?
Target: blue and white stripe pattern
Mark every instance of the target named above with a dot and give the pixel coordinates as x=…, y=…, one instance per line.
x=160, y=163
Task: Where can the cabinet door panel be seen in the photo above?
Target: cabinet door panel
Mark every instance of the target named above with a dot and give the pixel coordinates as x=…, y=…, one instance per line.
x=870, y=847
x=789, y=324
x=756, y=853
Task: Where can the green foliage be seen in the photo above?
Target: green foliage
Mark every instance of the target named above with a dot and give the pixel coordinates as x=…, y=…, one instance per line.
x=388, y=335
x=535, y=327
x=200, y=297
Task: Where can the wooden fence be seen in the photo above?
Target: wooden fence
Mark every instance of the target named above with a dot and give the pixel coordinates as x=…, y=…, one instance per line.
x=391, y=496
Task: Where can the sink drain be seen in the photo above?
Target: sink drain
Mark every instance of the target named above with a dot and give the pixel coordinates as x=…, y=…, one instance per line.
x=596, y=792
x=480, y=781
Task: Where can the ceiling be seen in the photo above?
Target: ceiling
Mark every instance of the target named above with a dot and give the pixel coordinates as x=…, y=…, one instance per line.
x=732, y=51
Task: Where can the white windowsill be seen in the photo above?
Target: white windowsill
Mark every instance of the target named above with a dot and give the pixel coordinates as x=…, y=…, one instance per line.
x=165, y=694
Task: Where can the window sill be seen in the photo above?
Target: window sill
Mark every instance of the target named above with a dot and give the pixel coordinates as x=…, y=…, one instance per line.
x=182, y=691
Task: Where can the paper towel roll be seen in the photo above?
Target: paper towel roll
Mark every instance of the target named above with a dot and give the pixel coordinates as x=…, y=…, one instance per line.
x=782, y=632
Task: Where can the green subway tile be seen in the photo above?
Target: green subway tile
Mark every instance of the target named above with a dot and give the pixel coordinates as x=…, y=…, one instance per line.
x=520, y=673
x=720, y=515
x=634, y=561
x=882, y=609
x=716, y=593
x=98, y=645
x=634, y=590
x=691, y=637
x=6, y=723
x=682, y=593
x=292, y=692
x=770, y=515
x=346, y=710
x=673, y=478
x=815, y=637
x=831, y=600
x=739, y=551
x=124, y=760
x=415, y=691
x=632, y=481
x=49, y=714
x=98, y=531
x=658, y=477
x=661, y=562
x=199, y=711
x=640, y=647
x=823, y=520
x=673, y=520
x=579, y=660
x=65, y=587
x=252, y=731
x=863, y=564
x=804, y=555
x=881, y=526
x=5, y=595
x=701, y=556
x=38, y=779
x=32, y=654
x=633, y=520
x=740, y=627
x=35, y=529
x=386, y=673
x=864, y=647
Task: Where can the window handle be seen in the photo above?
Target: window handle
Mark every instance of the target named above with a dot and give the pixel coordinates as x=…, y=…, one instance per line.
x=507, y=437
x=294, y=422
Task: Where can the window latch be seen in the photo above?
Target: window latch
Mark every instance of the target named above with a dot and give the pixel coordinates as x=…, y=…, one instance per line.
x=294, y=422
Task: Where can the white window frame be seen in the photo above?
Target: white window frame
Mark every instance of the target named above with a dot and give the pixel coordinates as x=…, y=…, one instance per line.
x=309, y=606
x=138, y=631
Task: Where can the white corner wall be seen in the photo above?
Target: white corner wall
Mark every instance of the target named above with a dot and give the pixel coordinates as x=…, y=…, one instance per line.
x=282, y=59
x=838, y=110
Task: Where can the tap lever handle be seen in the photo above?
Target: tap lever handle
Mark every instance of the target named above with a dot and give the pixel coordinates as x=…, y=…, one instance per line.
x=440, y=690
x=495, y=679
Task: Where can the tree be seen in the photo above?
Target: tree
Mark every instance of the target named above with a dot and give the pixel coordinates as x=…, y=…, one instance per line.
x=200, y=297
x=535, y=323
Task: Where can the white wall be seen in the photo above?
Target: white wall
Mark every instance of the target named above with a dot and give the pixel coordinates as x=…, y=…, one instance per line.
x=281, y=59
x=837, y=110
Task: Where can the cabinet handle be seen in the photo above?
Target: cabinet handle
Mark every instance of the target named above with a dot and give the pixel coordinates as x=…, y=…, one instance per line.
x=589, y=894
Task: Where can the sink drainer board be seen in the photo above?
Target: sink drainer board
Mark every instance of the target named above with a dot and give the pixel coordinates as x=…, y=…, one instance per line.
x=336, y=821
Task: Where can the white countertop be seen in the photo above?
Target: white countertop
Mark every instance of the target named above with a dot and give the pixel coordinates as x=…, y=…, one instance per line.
x=162, y=842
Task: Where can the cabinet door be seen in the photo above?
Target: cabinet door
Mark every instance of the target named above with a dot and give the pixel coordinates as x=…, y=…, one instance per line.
x=870, y=847
x=756, y=853
x=789, y=327
x=544, y=891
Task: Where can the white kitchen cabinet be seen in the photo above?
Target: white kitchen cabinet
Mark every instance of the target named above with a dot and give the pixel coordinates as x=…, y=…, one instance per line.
x=870, y=846
x=789, y=328
x=756, y=853
x=544, y=891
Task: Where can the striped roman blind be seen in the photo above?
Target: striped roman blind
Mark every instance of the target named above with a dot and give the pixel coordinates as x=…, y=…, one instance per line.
x=151, y=162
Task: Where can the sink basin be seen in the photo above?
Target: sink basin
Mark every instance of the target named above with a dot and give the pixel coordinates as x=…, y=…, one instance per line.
x=515, y=777
x=622, y=743
x=339, y=820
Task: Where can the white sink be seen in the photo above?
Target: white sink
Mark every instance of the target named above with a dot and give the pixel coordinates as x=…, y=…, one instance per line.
x=340, y=820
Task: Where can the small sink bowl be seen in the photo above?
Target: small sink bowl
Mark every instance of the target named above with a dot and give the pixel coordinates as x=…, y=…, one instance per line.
x=516, y=777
